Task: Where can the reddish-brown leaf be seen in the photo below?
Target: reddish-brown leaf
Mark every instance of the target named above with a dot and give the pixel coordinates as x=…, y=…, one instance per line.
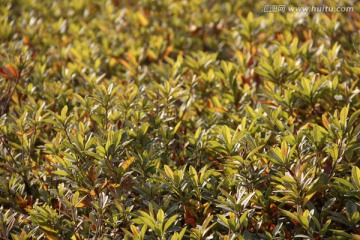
x=91, y=174
x=189, y=218
x=13, y=71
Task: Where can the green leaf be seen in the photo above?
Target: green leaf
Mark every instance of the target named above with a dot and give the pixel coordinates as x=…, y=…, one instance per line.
x=169, y=172
x=288, y=179
x=170, y=221
x=134, y=230
x=179, y=236
x=355, y=175
x=289, y=214
x=341, y=233
x=278, y=60
x=60, y=173
x=353, y=118
x=222, y=219
x=277, y=156
x=226, y=134
x=250, y=111
x=206, y=223
x=148, y=221
x=197, y=133
x=63, y=112
x=304, y=221
x=160, y=216
x=176, y=128
x=143, y=231
x=284, y=149
x=343, y=115
x=325, y=227
x=294, y=45
x=244, y=219
x=344, y=182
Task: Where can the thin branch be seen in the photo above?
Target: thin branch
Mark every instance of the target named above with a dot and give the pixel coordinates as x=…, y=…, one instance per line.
x=11, y=93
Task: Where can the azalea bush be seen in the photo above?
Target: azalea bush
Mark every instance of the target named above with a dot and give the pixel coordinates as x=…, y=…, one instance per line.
x=178, y=120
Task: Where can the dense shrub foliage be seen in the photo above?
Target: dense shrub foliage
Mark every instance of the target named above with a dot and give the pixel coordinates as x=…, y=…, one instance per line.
x=178, y=120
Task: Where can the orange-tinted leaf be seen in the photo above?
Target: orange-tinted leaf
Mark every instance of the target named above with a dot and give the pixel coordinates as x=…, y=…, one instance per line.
x=190, y=221
x=50, y=159
x=9, y=72
x=272, y=227
x=325, y=121
x=142, y=19
x=91, y=174
x=114, y=185
x=4, y=72
x=168, y=51
x=127, y=163
x=273, y=208
x=48, y=169
x=218, y=109
x=280, y=37
x=26, y=40
x=125, y=64
x=80, y=205
x=21, y=202
x=43, y=186
x=295, y=222
x=132, y=58
x=269, y=102
x=13, y=71
x=189, y=218
x=92, y=193
x=102, y=186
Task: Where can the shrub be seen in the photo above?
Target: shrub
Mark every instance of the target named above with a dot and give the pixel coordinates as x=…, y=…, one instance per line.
x=178, y=120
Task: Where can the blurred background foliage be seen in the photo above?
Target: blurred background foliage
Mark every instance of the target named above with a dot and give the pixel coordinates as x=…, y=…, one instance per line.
x=178, y=120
